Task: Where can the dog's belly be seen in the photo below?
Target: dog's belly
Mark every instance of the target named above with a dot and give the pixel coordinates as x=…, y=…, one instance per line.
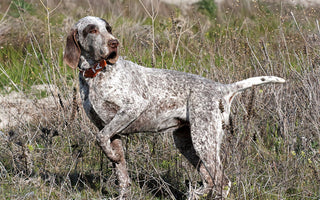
x=151, y=121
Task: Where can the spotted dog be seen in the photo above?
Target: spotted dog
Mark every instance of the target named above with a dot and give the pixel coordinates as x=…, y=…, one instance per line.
x=122, y=97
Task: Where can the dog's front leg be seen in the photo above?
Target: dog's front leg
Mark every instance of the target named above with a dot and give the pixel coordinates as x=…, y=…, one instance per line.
x=113, y=149
x=121, y=168
x=111, y=144
x=123, y=118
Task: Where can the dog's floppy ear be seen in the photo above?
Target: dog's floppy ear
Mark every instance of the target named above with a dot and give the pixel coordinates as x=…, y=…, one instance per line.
x=72, y=51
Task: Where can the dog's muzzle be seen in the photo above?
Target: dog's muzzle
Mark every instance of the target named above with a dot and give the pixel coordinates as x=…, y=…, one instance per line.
x=113, y=51
x=113, y=43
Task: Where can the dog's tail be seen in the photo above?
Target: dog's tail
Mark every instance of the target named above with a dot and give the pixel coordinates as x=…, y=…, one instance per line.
x=248, y=83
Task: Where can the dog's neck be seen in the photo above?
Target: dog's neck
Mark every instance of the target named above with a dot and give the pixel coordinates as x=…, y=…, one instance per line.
x=89, y=68
x=85, y=64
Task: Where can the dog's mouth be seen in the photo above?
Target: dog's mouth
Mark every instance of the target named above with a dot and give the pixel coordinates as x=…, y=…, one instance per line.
x=113, y=56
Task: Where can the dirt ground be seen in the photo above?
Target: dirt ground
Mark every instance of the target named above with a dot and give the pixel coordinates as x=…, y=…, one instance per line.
x=17, y=108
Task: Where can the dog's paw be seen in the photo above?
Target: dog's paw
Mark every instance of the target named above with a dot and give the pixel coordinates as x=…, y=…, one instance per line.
x=105, y=145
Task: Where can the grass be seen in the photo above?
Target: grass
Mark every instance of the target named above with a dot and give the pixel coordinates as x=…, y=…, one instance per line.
x=270, y=152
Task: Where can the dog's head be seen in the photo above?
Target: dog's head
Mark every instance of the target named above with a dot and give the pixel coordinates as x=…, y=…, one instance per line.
x=92, y=38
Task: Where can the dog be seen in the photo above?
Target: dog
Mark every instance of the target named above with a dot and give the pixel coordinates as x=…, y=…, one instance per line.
x=121, y=97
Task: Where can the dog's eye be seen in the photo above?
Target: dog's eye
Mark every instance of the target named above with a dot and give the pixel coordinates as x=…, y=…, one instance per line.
x=93, y=31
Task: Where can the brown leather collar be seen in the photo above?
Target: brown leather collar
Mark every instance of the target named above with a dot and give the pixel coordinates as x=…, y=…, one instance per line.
x=93, y=71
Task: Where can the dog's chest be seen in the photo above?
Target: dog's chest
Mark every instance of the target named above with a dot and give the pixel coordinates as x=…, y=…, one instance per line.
x=104, y=95
x=99, y=111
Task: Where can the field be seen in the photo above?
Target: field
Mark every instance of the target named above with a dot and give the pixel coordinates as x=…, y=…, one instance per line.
x=270, y=151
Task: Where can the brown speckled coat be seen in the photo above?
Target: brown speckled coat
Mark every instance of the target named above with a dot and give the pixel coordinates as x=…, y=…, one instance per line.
x=126, y=98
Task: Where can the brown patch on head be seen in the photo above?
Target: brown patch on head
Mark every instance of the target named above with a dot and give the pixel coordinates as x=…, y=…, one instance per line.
x=108, y=27
x=262, y=79
x=91, y=28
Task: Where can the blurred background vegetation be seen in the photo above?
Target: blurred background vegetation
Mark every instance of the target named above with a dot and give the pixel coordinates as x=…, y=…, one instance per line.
x=271, y=151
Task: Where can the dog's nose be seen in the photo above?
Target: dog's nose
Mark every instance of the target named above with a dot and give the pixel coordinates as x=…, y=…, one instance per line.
x=113, y=43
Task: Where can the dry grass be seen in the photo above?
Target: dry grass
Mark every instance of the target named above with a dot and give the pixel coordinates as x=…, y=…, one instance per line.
x=271, y=150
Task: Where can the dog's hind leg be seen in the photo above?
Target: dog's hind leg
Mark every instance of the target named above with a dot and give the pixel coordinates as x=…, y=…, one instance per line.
x=206, y=125
x=183, y=142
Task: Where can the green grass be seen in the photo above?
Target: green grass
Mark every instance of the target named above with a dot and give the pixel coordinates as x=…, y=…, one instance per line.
x=272, y=153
